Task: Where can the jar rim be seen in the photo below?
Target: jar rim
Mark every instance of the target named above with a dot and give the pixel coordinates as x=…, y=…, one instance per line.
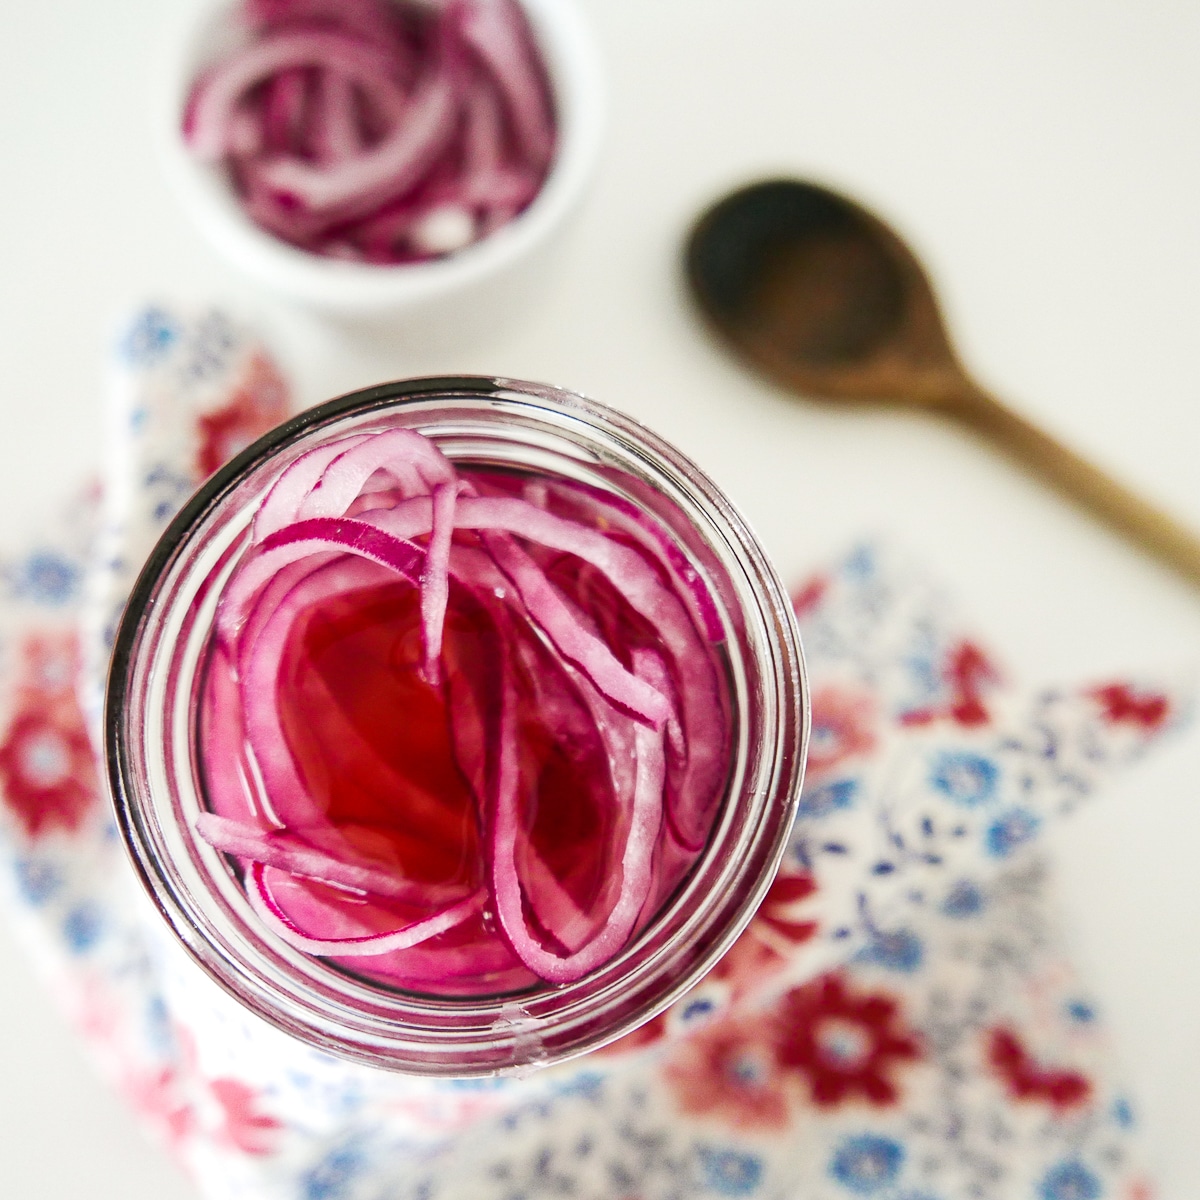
x=471, y=1035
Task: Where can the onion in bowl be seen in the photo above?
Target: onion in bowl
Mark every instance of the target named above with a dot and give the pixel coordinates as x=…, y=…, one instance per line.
x=380, y=131
x=454, y=256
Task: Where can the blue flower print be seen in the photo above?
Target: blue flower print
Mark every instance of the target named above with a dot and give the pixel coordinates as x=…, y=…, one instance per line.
x=495, y=1083
x=1010, y=831
x=866, y=1164
x=861, y=563
x=331, y=1177
x=82, y=928
x=821, y=801
x=48, y=578
x=152, y=333
x=160, y=1033
x=729, y=1172
x=965, y=899
x=37, y=881
x=1122, y=1112
x=697, y=1010
x=210, y=348
x=1081, y=1011
x=588, y=1084
x=1069, y=1181
x=967, y=779
x=898, y=950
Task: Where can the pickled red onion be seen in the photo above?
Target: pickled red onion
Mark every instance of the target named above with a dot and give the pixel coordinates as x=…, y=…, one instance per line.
x=384, y=131
x=265, y=903
x=623, y=681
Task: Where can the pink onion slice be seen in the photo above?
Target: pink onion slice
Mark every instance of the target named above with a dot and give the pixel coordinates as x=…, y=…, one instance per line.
x=635, y=877
x=699, y=688
x=319, y=535
x=573, y=640
x=213, y=103
x=366, y=19
x=290, y=853
x=413, y=463
x=353, y=187
x=337, y=136
x=467, y=968
x=497, y=32
x=267, y=906
x=652, y=537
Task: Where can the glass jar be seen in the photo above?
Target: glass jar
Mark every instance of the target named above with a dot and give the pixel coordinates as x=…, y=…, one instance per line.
x=154, y=701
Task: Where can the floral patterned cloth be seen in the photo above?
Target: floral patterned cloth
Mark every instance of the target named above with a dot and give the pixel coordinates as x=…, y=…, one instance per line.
x=900, y=1021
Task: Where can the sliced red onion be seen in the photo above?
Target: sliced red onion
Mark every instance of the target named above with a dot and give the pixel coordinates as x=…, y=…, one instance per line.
x=435, y=967
x=283, y=120
x=259, y=663
x=282, y=502
x=645, y=815
x=497, y=32
x=366, y=19
x=318, y=535
x=269, y=909
x=291, y=854
x=216, y=97
x=572, y=639
x=230, y=783
x=336, y=134
x=626, y=516
x=645, y=725
x=354, y=187
x=412, y=519
x=386, y=131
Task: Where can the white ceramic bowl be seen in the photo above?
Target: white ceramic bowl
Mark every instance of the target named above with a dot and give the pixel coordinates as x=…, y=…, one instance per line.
x=357, y=290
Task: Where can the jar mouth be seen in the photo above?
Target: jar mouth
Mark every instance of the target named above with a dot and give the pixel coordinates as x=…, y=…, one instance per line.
x=150, y=721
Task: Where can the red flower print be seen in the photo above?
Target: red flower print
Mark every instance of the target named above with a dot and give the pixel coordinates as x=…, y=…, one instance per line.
x=748, y=963
x=744, y=1070
x=843, y=726
x=730, y=1070
x=762, y=950
x=1120, y=703
x=245, y=1127
x=766, y=945
x=637, y=1039
x=967, y=673
x=806, y=598
x=776, y=914
x=49, y=666
x=182, y=1099
x=258, y=403
x=1026, y=1079
x=158, y=1097
x=845, y=1044
x=47, y=769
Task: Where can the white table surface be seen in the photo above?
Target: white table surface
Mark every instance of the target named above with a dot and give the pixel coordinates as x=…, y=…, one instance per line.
x=1042, y=157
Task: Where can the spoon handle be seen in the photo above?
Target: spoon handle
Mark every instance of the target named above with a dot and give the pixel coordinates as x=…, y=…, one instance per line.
x=1103, y=496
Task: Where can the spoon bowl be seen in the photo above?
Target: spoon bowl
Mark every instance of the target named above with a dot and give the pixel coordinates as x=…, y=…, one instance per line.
x=820, y=295
x=825, y=300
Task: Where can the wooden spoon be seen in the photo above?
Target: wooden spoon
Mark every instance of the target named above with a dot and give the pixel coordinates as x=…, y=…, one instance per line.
x=825, y=300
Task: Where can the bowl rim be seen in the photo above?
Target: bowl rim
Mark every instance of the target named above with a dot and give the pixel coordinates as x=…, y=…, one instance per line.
x=573, y=63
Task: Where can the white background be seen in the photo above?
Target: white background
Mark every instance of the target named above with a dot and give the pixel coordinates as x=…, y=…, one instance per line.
x=1042, y=155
